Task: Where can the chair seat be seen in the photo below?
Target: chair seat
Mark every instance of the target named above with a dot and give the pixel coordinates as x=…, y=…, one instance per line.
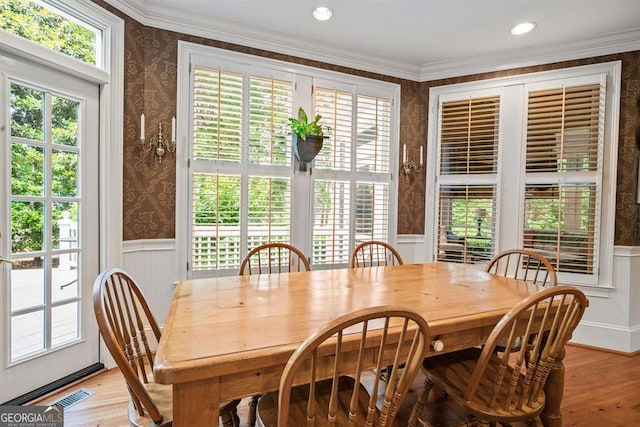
x=268, y=405
x=452, y=372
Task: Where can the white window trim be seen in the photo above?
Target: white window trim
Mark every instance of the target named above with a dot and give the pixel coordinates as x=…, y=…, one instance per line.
x=612, y=70
x=186, y=51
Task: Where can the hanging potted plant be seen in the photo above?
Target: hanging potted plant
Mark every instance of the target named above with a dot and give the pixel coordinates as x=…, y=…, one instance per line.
x=307, y=137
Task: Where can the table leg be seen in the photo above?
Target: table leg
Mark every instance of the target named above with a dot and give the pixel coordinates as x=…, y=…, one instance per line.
x=554, y=388
x=196, y=403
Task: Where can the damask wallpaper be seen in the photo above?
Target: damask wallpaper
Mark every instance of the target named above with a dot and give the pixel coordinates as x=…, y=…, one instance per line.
x=150, y=87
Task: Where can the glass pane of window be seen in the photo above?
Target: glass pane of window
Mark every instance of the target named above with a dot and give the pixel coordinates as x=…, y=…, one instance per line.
x=469, y=136
x=27, y=334
x=217, y=115
x=331, y=222
x=64, y=277
x=27, y=226
x=64, y=121
x=466, y=223
x=560, y=224
x=64, y=176
x=216, y=221
x=64, y=324
x=336, y=109
x=270, y=106
x=27, y=113
x=27, y=170
x=373, y=134
x=27, y=283
x=64, y=225
x=269, y=211
x=43, y=24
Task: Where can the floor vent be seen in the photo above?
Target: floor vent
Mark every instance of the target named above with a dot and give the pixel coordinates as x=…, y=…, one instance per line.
x=73, y=398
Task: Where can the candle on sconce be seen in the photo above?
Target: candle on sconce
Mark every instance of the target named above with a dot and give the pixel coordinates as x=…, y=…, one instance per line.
x=421, y=155
x=404, y=153
x=142, y=126
x=173, y=128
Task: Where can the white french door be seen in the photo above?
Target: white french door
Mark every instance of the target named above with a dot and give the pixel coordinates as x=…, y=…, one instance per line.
x=48, y=225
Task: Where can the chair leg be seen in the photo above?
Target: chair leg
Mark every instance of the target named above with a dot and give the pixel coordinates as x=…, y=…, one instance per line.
x=418, y=408
x=253, y=405
x=229, y=414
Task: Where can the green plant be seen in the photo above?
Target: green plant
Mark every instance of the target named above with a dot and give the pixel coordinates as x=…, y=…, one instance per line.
x=302, y=127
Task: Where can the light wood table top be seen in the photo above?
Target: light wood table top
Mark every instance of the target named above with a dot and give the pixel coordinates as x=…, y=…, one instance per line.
x=230, y=337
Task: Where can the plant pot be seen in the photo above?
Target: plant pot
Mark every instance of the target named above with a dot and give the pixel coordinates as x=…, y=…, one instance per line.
x=306, y=149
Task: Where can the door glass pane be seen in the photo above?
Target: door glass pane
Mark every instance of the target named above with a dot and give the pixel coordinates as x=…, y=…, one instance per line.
x=27, y=225
x=64, y=278
x=64, y=121
x=27, y=284
x=27, y=119
x=65, y=225
x=27, y=334
x=27, y=170
x=64, y=321
x=64, y=173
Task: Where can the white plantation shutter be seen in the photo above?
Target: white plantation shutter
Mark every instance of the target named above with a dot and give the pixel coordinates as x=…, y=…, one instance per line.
x=561, y=204
x=217, y=115
x=241, y=168
x=468, y=165
x=351, y=188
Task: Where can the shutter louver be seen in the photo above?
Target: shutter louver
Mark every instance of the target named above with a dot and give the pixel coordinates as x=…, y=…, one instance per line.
x=269, y=211
x=373, y=134
x=270, y=106
x=372, y=212
x=331, y=222
x=215, y=222
x=336, y=109
x=466, y=223
x=469, y=136
x=217, y=115
x=562, y=182
x=562, y=129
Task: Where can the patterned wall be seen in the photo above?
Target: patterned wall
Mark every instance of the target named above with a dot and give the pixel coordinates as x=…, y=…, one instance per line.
x=150, y=86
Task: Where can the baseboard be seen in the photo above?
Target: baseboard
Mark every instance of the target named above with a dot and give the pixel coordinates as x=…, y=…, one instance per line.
x=611, y=337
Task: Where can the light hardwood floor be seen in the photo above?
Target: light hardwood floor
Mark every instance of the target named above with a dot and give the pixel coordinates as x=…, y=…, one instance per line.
x=601, y=389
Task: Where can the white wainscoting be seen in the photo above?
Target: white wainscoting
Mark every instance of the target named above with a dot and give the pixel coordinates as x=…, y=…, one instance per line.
x=612, y=320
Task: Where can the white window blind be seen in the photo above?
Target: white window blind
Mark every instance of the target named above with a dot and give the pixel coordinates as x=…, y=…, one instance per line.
x=468, y=165
x=562, y=182
x=336, y=109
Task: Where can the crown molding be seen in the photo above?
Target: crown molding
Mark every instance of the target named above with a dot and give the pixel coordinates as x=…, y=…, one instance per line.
x=613, y=43
x=178, y=21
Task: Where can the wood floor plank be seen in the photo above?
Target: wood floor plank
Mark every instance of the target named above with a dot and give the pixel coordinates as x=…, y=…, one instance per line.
x=601, y=389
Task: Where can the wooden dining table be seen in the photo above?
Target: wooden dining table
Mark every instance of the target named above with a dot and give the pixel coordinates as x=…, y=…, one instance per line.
x=230, y=337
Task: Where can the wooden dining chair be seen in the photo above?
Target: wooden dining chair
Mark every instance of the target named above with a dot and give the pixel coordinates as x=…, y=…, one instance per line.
x=507, y=387
x=130, y=332
x=374, y=253
x=274, y=258
x=523, y=264
x=265, y=259
x=345, y=345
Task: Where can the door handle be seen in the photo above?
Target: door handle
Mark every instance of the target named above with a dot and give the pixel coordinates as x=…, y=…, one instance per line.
x=5, y=260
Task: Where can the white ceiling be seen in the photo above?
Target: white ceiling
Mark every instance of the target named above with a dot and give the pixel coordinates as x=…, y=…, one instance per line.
x=416, y=39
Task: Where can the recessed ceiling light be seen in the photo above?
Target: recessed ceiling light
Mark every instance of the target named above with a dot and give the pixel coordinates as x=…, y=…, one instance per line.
x=322, y=13
x=523, y=28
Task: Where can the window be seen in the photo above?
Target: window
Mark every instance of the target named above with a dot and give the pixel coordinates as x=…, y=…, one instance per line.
x=49, y=26
x=525, y=162
x=244, y=186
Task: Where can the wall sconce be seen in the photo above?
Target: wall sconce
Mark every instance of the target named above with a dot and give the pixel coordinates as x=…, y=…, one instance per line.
x=158, y=144
x=407, y=164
